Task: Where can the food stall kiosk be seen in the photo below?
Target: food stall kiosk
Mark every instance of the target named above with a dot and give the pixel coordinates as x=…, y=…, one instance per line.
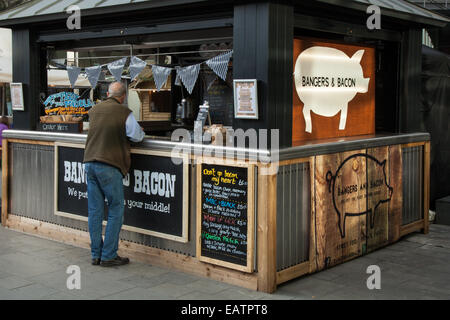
x=335, y=174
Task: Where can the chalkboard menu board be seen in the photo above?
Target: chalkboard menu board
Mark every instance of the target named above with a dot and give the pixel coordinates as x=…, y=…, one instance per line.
x=225, y=228
x=155, y=191
x=221, y=103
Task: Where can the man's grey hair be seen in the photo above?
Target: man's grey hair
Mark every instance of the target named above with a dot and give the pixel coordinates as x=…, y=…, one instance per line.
x=117, y=89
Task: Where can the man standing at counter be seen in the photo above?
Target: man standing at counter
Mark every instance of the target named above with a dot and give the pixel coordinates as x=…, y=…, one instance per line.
x=107, y=160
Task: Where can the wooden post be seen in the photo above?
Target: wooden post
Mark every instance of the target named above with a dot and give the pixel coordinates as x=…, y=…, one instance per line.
x=267, y=232
x=313, y=236
x=426, y=186
x=5, y=171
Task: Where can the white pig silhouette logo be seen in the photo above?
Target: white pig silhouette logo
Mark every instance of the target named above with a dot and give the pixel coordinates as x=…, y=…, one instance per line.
x=326, y=80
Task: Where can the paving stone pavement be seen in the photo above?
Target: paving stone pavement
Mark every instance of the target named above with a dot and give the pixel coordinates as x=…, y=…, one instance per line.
x=417, y=267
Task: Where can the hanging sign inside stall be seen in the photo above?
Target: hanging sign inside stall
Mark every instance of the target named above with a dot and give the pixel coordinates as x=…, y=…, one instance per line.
x=334, y=90
x=220, y=97
x=225, y=215
x=155, y=190
x=67, y=103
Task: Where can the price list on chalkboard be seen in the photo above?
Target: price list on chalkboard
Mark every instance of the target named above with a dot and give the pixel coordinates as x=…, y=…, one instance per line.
x=224, y=213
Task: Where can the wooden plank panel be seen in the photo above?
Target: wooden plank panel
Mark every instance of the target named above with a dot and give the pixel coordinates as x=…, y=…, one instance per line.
x=293, y=161
x=313, y=234
x=354, y=176
x=395, y=181
x=338, y=234
x=293, y=272
x=356, y=207
x=33, y=142
x=378, y=198
x=266, y=232
x=412, y=227
x=413, y=144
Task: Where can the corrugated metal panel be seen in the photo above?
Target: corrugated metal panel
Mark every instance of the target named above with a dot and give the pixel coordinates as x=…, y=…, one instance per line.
x=29, y=9
x=432, y=4
x=49, y=7
x=412, y=184
x=32, y=196
x=58, y=6
x=293, y=212
x=402, y=6
x=46, y=7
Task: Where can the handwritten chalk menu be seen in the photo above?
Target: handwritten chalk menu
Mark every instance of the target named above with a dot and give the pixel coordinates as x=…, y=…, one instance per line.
x=225, y=222
x=220, y=98
x=155, y=191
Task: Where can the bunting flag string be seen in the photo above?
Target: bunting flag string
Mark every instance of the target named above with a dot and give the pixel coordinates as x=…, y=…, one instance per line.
x=184, y=75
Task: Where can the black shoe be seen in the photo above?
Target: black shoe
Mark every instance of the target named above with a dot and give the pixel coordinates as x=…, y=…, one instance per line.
x=96, y=261
x=117, y=261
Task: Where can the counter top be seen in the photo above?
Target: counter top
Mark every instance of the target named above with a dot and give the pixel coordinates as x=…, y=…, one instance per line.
x=328, y=146
x=307, y=149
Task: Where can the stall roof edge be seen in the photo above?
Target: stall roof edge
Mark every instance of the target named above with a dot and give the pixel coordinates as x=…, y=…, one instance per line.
x=401, y=9
x=49, y=10
x=37, y=11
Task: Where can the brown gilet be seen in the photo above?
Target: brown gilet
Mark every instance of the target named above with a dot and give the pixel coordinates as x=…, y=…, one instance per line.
x=107, y=141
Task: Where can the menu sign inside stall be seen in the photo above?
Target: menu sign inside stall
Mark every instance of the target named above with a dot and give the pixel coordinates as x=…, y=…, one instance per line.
x=225, y=224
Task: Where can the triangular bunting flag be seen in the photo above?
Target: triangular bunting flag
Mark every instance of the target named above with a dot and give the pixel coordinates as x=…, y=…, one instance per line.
x=73, y=73
x=116, y=68
x=219, y=64
x=93, y=73
x=160, y=75
x=136, y=67
x=189, y=75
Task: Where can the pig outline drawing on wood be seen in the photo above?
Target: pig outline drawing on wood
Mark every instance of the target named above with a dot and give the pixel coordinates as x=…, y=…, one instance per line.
x=331, y=180
x=337, y=64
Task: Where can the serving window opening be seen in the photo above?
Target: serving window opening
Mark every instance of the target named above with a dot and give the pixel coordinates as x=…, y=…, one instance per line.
x=158, y=111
